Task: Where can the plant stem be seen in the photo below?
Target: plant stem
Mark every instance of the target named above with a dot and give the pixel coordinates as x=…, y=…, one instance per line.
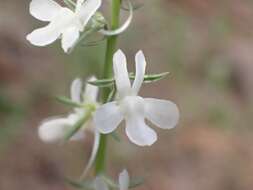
x=107, y=73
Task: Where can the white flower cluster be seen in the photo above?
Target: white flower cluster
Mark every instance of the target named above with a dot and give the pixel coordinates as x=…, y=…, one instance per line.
x=67, y=23
x=128, y=106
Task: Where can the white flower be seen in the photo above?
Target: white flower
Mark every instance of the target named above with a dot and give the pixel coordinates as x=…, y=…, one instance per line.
x=54, y=130
x=133, y=108
x=63, y=22
x=123, y=182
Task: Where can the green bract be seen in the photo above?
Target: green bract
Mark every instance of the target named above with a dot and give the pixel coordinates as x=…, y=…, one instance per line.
x=147, y=79
x=67, y=101
x=78, y=125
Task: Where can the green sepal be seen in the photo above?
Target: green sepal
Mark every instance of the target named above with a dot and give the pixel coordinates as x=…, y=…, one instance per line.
x=67, y=101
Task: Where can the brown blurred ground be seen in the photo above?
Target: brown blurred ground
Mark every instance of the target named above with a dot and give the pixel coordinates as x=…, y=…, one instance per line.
x=207, y=47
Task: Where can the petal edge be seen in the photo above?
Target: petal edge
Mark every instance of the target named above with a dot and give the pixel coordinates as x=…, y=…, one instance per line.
x=139, y=133
x=163, y=113
x=44, y=10
x=140, y=66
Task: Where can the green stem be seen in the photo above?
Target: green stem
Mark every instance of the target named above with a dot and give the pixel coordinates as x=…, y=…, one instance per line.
x=107, y=73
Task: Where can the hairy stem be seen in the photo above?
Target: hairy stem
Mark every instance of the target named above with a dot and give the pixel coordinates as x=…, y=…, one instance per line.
x=107, y=73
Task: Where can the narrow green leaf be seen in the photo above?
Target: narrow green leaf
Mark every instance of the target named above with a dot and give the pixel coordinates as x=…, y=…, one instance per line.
x=67, y=101
x=102, y=82
x=77, y=125
x=147, y=79
x=152, y=77
x=112, y=94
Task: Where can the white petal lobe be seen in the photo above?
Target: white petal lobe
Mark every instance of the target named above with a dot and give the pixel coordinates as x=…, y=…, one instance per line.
x=107, y=117
x=91, y=91
x=43, y=36
x=121, y=73
x=75, y=90
x=163, y=113
x=69, y=37
x=139, y=133
x=44, y=10
x=140, y=66
x=47, y=35
x=124, y=180
x=87, y=9
x=53, y=130
x=93, y=154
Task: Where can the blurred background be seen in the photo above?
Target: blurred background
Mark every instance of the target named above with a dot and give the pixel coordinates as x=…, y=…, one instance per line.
x=206, y=45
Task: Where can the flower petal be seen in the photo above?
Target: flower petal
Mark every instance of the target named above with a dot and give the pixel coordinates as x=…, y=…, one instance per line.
x=79, y=5
x=93, y=154
x=87, y=9
x=76, y=90
x=43, y=36
x=108, y=117
x=163, y=113
x=140, y=66
x=121, y=74
x=48, y=34
x=100, y=184
x=69, y=37
x=91, y=91
x=53, y=130
x=123, y=180
x=44, y=10
x=138, y=132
